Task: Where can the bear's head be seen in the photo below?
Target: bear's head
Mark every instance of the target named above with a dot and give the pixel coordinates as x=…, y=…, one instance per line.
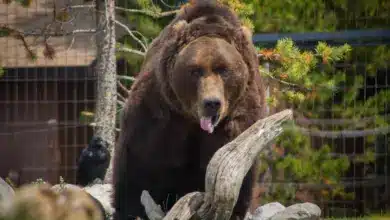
x=207, y=64
x=208, y=76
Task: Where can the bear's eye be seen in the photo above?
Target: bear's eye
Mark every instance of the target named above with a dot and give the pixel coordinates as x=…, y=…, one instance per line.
x=221, y=70
x=196, y=72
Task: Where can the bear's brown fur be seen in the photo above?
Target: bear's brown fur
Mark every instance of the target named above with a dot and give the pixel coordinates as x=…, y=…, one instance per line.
x=198, y=89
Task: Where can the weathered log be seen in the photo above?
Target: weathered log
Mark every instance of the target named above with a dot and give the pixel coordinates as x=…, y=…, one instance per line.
x=226, y=171
x=152, y=210
x=186, y=207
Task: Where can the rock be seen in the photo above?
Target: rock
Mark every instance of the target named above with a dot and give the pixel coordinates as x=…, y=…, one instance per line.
x=6, y=191
x=7, y=194
x=266, y=211
x=102, y=192
x=300, y=211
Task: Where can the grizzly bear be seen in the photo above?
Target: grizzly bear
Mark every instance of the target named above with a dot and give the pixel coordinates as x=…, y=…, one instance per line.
x=198, y=89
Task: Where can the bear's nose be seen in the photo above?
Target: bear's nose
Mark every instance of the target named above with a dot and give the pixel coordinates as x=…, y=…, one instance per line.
x=212, y=106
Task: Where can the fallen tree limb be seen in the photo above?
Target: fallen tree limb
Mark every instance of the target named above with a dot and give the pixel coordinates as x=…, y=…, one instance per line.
x=153, y=211
x=226, y=171
x=186, y=207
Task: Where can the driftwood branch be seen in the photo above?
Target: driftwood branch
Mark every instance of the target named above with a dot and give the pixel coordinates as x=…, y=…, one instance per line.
x=153, y=211
x=130, y=32
x=123, y=88
x=226, y=171
x=152, y=14
x=128, y=50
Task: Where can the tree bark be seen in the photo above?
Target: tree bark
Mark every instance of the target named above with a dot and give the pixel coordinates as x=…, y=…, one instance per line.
x=226, y=171
x=105, y=108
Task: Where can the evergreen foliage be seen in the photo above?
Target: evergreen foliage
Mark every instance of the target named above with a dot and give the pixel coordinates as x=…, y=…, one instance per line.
x=311, y=80
x=144, y=26
x=324, y=83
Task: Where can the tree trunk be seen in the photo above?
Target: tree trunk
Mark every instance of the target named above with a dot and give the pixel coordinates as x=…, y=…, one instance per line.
x=105, y=109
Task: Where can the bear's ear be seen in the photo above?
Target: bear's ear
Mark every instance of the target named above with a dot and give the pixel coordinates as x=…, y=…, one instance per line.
x=247, y=33
x=179, y=26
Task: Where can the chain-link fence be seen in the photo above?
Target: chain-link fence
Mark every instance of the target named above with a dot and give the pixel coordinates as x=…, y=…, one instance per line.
x=47, y=82
x=360, y=137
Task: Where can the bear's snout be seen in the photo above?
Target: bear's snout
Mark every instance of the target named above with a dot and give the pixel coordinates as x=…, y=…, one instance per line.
x=211, y=106
x=211, y=102
x=210, y=113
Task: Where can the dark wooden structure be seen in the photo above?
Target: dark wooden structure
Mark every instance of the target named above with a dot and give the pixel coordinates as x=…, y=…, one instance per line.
x=41, y=135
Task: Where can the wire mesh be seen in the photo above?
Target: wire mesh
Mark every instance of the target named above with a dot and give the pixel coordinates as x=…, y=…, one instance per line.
x=41, y=123
x=367, y=180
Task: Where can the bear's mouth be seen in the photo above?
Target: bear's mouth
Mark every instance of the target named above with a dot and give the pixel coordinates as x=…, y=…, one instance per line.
x=208, y=123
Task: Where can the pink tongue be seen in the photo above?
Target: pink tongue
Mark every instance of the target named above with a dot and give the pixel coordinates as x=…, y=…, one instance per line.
x=205, y=124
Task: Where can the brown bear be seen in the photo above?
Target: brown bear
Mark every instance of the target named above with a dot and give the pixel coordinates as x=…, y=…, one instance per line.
x=199, y=88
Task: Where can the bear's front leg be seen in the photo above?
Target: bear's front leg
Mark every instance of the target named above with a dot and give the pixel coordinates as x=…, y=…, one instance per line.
x=127, y=194
x=149, y=156
x=158, y=181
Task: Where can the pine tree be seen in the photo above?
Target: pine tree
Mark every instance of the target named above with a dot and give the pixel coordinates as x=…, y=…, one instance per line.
x=309, y=81
x=322, y=84
x=146, y=27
